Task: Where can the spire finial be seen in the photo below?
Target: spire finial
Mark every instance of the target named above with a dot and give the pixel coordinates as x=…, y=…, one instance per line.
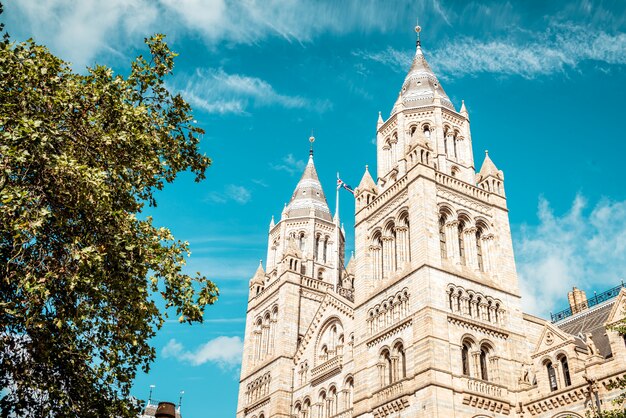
x=418, y=29
x=486, y=152
x=311, y=140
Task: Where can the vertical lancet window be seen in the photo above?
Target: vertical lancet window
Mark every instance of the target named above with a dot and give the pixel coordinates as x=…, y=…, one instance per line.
x=551, y=376
x=465, y=359
x=460, y=230
x=484, y=374
x=442, y=236
x=565, y=366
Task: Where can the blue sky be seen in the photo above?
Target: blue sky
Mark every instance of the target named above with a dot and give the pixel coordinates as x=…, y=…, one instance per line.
x=544, y=83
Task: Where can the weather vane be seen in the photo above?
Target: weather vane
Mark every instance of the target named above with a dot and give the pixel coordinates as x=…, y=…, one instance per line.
x=311, y=140
x=418, y=29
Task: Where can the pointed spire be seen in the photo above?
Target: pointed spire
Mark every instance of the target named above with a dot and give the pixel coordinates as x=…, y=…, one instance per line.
x=367, y=182
x=489, y=168
x=421, y=86
x=351, y=264
x=308, y=197
x=380, y=121
x=272, y=223
x=463, y=110
x=259, y=275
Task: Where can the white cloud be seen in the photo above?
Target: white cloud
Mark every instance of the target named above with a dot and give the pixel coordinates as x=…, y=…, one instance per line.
x=232, y=192
x=289, y=164
x=78, y=31
x=581, y=248
x=564, y=46
x=224, y=351
x=216, y=91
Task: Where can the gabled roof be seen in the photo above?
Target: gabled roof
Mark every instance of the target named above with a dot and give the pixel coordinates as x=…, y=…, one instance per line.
x=421, y=86
x=308, y=195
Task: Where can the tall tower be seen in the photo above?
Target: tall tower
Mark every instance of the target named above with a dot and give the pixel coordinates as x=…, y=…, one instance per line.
x=425, y=320
x=305, y=264
x=435, y=315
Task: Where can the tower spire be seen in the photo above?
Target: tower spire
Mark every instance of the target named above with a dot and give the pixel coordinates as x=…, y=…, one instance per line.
x=311, y=140
x=418, y=29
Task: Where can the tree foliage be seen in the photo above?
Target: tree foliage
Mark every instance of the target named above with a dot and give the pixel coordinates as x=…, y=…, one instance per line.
x=80, y=268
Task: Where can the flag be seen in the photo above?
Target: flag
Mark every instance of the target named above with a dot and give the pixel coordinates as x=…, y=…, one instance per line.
x=341, y=183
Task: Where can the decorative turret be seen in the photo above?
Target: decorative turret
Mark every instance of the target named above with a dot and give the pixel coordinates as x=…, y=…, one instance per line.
x=257, y=282
x=380, y=121
x=308, y=197
x=490, y=178
x=463, y=110
x=307, y=241
x=366, y=190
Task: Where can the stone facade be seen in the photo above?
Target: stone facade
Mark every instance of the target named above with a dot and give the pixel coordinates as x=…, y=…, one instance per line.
x=426, y=318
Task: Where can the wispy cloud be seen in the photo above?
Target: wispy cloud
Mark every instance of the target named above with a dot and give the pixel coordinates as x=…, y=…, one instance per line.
x=528, y=55
x=581, y=248
x=80, y=31
x=216, y=91
x=289, y=164
x=224, y=351
x=231, y=192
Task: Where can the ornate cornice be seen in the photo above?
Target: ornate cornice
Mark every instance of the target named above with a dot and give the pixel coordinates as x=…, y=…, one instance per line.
x=475, y=326
x=389, y=332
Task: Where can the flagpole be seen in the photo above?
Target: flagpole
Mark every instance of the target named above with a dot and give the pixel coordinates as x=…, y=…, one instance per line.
x=337, y=203
x=338, y=239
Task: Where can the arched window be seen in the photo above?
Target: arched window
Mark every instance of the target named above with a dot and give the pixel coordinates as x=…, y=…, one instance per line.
x=479, y=249
x=385, y=371
x=565, y=366
x=465, y=358
x=349, y=391
x=484, y=374
x=317, y=247
x=325, y=249
x=445, y=143
x=461, y=242
x=470, y=302
x=331, y=403
x=427, y=131
x=442, y=236
x=322, y=405
x=454, y=142
x=306, y=409
x=301, y=241
x=401, y=361
x=551, y=376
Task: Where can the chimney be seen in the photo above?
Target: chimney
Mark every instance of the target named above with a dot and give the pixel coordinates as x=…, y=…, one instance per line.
x=165, y=410
x=577, y=300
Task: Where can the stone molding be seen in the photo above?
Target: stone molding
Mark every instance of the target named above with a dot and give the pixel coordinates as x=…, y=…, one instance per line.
x=476, y=326
x=389, y=332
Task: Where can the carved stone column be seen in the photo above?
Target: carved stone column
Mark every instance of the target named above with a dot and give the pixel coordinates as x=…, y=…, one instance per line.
x=465, y=305
x=387, y=257
x=452, y=241
x=475, y=364
x=471, y=258
x=394, y=369
x=488, y=252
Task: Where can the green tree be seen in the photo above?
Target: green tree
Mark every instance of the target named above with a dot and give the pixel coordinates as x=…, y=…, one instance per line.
x=82, y=272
